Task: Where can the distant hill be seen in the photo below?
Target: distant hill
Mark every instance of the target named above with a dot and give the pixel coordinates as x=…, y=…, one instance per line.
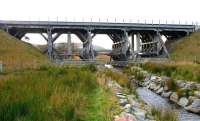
x=187, y=48
x=16, y=54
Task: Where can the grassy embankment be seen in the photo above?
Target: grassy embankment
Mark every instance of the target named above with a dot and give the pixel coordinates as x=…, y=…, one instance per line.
x=17, y=54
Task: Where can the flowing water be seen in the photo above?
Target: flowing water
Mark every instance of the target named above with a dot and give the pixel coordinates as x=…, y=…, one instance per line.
x=157, y=101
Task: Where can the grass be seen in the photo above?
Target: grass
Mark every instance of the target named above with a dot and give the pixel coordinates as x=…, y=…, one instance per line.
x=188, y=72
x=16, y=54
x=117, y=76
x=53, y=93
x=164, y=114
x=187, y=48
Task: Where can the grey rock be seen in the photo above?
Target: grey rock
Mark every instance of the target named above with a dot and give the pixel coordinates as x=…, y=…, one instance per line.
x=194, y=107
x=157, y=87
x=166, y=88
x=140, y=114
x=181, y=83
x=166, y=94
x=152, y=86
x=153, y=77
x=190, y=85
x=121, y=96
x=174, y=97
x=123, y=102
x=183, y=101
x=159, y=91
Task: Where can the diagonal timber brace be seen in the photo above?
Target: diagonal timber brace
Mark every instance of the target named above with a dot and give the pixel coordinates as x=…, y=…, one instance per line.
x=162, y=44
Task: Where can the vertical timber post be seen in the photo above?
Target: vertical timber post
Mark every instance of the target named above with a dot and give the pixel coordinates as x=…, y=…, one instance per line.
x=158, y=47
x=50, y=44
x=90, y=49
x=133, y=45
x=69, y=46
x=138, y=44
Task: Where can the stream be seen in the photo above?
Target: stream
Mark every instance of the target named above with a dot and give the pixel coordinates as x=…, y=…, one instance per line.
x=157, y=101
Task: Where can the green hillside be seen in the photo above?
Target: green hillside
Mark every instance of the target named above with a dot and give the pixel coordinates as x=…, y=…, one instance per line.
x=16, y=54
x=187, y=48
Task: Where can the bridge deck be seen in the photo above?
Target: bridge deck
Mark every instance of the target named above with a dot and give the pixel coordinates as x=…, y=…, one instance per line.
x=96, y=25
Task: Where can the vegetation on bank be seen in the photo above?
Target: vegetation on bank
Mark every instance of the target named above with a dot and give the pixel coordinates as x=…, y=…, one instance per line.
x=52, y=93
x=188, y=72
x=164, y=114
x=186, y=49
x=16, y=54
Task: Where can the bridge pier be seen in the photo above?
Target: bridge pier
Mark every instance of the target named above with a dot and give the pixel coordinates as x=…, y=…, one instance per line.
x=138, y=43
x=50, y=40
x=49, y=44
x=121, y=46
x=69, y=44
x=161, y=44
x=87, y=53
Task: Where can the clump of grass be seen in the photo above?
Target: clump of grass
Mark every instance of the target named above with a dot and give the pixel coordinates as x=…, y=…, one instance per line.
x=164, y=115
x=172, y=85
x=185, y=92
x=131, y=71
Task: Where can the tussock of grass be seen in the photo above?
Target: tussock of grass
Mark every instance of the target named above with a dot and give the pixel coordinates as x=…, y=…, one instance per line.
x=131, y=71
x=53, y=94
x=17, y=54
x=164, y=114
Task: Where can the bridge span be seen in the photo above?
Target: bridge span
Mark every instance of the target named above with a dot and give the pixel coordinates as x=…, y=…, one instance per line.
x=148, y=38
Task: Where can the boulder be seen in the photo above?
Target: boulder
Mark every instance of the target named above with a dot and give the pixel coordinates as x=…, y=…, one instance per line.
x=123, y=102
x=146, y=83
x=194, y=107
x=174, y=97
x=166, y=88
x=140, y=114
x=121, y=96
x=183, y=101
x=152, y=86
x=190, y=85
x=166, y=94
x=181, y=83
x=157, y=87
x=159, y=91
x=153, y=77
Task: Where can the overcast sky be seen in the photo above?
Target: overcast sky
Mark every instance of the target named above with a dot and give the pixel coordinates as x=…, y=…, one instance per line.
x=78, y=10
